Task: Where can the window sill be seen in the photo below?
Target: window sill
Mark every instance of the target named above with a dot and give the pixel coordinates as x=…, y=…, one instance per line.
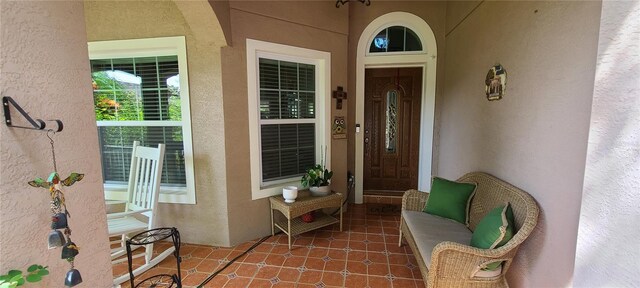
x=173, y=195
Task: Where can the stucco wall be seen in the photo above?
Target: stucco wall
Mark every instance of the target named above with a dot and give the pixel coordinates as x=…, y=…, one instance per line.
x=207, y=221
x=308, y=24
x=434, y=13
x=45, y=68
x=536, y=137
x=608, y=248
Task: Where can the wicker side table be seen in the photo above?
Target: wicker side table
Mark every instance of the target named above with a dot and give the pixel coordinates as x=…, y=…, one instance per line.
x=293, y=225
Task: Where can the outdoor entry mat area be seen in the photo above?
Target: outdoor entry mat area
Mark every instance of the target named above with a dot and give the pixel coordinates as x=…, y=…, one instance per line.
x=383, y=209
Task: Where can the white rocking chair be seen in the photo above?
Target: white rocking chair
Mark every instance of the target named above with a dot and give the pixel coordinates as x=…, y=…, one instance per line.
x=140, y=208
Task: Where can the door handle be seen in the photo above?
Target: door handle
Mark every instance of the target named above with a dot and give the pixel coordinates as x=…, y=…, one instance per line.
x=366, y=136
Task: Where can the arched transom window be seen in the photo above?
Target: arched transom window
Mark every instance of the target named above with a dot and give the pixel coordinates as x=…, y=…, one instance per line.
x=395, y=39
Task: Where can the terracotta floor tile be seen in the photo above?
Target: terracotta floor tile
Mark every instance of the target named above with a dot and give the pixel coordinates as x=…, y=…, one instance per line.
x=294, y=262
x=299, y=251
x=393, y=248
x=357, y=255
x=376, y=247
x=357, y=245
x=216, y=282
x=375, y=238
x=359, y=228
x=319, y=242
x=376, y=269
x=401, y=271
x=263, y=248
x=283, y=284
x=341, y=235
x=260, y=283
x=318, y=252
x=356, y=267
x=339, y=244
x=274, y=259
x=374, y=230
x=335, y=265
x=357, y=237
x=208, y=266
x=255, y=257
x=355, y=281
x=369, y=243
x=379, y=282
x=201, y=252
x=337, y=254
x=314, y=264
x=267, y=272
x=194, y=279
x=377, y=257
x=310, y=277
x=246, y=270
x=219, y=253
x=402, y=283
x=239, y=282
x=289, y=274
x=303, y=241
x=332, y=279
x=398, y=259
x=280, y=249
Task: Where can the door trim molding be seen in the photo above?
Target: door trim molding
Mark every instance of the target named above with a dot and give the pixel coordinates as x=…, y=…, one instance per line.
x=425, y=59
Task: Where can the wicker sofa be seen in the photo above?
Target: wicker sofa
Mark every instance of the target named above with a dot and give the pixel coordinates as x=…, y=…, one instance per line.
x=451, y=264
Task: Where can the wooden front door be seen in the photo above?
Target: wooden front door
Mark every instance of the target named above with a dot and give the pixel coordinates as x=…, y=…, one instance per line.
x=392, y=129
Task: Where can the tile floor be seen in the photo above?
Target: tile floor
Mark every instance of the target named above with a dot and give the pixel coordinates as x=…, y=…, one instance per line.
x=365, y=254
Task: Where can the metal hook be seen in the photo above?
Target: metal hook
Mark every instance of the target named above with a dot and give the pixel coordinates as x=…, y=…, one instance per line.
x=50, y=131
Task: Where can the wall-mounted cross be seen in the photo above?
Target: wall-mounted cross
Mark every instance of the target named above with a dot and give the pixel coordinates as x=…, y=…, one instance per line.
x=339, y=95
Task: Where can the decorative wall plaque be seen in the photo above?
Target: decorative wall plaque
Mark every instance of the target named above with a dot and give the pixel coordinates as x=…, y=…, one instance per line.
x=496, y=82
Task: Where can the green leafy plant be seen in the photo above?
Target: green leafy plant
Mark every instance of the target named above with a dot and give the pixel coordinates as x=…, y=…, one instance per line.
x=318, y=175
x=15, y=278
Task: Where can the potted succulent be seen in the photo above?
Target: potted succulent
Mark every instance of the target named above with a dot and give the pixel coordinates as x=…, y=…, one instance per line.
x=317, y=179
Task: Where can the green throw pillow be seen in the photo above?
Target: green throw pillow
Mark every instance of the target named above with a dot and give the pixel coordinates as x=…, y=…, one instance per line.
x=450, y=199
x=494, y=230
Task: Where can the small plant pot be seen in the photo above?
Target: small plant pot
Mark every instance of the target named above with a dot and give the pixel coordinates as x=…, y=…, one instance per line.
x=320, y=191
x=308, y=217
x=290, y=193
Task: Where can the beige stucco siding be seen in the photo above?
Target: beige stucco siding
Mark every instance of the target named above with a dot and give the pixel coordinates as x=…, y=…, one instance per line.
x=308, y=24
x=45, y=67
x=536, y=136
x=207, y=221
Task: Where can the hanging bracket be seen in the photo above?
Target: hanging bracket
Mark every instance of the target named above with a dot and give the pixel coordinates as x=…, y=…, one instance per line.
x=37, y=124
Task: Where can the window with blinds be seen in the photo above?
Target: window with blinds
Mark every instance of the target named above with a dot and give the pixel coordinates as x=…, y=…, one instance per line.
x=287, y=119
x=140, y=98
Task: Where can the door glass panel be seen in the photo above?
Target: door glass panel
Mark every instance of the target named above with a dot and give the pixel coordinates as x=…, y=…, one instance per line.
x=392, y=121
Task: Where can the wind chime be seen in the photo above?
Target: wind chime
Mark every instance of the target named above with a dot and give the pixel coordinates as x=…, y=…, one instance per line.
x=60, y=235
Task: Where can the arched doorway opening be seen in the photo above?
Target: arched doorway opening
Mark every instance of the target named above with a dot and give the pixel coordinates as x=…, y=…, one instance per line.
x=375, y=51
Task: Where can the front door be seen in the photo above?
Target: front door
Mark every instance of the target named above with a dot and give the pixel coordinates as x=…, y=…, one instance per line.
x=392, y=129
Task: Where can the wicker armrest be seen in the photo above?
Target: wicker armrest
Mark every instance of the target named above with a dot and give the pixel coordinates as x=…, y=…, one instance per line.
x=458, y=260
x=414, y=200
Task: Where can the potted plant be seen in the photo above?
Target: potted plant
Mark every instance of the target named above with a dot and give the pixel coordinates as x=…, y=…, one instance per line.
x=318, y=178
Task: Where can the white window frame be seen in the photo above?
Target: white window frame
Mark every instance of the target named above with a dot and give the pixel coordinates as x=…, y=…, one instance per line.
x=322, y=61
x=153, y=47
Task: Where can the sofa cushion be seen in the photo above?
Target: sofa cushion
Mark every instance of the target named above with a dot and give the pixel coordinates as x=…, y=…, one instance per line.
x=428, y=230
x=450, y=199
x=494, y=230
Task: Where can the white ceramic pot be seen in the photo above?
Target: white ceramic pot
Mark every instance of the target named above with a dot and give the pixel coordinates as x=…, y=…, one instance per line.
x=320, y=191
x=290, y=193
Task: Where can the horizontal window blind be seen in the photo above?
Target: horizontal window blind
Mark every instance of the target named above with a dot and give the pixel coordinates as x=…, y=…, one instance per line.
x=287, y=118
x=138, y=99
